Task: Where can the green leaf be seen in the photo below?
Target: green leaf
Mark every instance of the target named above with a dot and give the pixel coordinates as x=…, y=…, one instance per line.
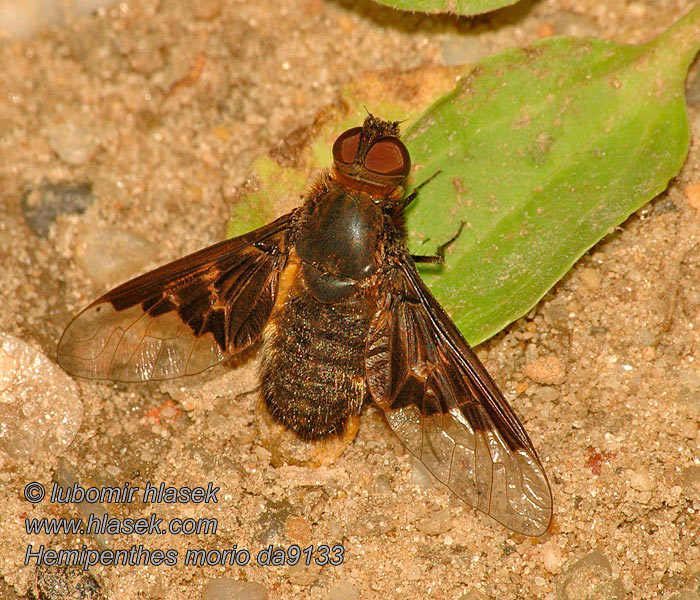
x=458, y=7
x=543, y=151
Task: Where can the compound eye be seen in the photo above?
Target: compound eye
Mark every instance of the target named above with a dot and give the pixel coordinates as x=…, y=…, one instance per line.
x=388, y=156
x=345, y=147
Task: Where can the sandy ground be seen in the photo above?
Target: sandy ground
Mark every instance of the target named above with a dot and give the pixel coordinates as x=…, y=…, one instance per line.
x=161, y=107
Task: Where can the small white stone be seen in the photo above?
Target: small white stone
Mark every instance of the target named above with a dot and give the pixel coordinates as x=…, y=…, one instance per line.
x=73, y=143
x=552, y=559
x=40, y=412
x=24, y=18
x=641, y=481
x=109, y=256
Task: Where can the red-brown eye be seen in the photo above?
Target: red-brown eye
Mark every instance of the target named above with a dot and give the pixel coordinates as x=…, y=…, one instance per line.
x=345, y=147
x=388, y=156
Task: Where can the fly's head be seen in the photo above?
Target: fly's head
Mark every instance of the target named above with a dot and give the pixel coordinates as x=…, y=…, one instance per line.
x=372, y=159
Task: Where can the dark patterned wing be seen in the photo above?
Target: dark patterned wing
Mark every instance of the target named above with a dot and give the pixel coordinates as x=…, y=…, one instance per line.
x=183, y=317
x=446, y=409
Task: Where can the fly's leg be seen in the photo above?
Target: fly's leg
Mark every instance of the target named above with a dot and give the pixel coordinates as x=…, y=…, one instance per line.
x=439, y=257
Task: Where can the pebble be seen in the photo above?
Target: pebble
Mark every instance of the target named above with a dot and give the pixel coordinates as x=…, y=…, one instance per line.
x=42, y=204
x=298, y=530
x=73, y=143
x=692, y=195
x=641, y=481
x=302, y=574
x=109, y=256
x=690, y=477
x=649, y=353
x=688, y=429
x=689, y=397
x=547, y=394
x=412, y=571
x=343, y=590
x=273, y=521
x=557, y=315
x=590, y=577
x=40, y=412
x=232, y=589
x=62, y=582
x=552, y=559
x=66, y=476
x=436, y=523
x=590, y=278
x=382, y=484
x=24, y=18
x=547, y=370
x=145, y=59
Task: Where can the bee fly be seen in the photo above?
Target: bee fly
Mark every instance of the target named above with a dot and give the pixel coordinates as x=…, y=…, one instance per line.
x=343, y=314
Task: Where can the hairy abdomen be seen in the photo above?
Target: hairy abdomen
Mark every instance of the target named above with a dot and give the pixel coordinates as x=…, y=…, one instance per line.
x=313, y=374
